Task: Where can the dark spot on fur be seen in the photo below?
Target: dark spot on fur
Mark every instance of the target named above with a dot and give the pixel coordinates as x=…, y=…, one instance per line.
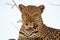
x=35, y=26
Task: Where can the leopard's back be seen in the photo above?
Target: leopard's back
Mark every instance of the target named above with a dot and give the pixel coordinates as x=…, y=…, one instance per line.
x=48, y=33
x=54, y=34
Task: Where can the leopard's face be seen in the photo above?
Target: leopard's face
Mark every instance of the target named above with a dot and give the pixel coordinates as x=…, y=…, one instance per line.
x=31, y=13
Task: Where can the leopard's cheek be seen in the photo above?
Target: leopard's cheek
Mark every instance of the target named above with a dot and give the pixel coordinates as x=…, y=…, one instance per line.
x=36, y=18
x=25, y=20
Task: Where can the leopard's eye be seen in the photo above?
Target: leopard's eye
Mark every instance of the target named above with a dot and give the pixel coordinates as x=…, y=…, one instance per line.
x=36, y=15
x=27, y=15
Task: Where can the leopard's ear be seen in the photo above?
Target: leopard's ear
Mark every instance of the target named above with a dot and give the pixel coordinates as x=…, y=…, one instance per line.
x=21, y=6
x=41, y=7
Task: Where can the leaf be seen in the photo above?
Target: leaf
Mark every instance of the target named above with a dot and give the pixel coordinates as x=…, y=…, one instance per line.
x=19, y=21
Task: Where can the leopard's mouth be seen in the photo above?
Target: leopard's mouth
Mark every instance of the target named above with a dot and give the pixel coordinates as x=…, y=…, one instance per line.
x=30, y=31
x=27, y=34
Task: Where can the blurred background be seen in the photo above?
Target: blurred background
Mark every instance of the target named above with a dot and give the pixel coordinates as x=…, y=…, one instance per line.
x=10, y=14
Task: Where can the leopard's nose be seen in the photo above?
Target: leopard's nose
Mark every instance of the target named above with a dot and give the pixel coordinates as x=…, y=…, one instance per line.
x=28, y=29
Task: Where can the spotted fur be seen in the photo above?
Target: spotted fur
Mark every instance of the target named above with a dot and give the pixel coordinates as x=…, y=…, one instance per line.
x=33, y=27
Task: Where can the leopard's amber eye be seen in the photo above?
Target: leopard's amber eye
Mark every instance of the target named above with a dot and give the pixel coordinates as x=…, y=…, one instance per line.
x=36, y=15
x=27, y=15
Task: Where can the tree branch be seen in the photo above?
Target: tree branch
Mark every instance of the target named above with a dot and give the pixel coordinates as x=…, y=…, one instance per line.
x=15, y=4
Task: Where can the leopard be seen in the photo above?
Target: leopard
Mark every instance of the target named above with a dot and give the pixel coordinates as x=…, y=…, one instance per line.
x=33, y=27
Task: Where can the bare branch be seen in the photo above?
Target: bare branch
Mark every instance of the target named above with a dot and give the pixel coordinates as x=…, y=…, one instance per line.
x=15, y=4
x=10, y=5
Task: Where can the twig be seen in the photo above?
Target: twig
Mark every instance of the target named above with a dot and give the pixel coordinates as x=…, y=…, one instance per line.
x=15, y=4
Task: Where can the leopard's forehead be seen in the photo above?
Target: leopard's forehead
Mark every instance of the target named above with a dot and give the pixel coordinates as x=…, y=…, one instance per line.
x=31, y=8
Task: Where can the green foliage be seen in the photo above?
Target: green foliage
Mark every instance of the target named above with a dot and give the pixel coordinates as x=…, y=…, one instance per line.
x=19, y=21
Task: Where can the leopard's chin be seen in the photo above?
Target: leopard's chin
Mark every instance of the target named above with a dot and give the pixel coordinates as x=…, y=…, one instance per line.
x=29, y=33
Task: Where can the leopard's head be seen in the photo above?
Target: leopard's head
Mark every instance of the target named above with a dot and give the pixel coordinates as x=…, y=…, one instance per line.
x=31, y=13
